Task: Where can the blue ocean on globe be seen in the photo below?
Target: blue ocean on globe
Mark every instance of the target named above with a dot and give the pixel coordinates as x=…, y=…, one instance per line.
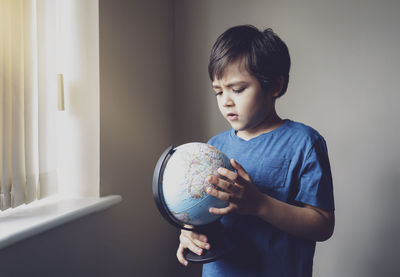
x=184, y=183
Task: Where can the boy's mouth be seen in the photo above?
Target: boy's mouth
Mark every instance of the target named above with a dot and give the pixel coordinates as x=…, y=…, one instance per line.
x=232, y=116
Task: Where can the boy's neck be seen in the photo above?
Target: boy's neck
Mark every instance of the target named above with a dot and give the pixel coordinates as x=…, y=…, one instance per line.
x=271, y=123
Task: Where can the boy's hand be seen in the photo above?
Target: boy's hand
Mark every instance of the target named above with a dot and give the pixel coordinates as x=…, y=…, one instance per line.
x=194, y=242
x=238, y=189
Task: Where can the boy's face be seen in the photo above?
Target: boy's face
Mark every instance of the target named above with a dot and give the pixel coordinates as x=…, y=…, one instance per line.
x=242, y=101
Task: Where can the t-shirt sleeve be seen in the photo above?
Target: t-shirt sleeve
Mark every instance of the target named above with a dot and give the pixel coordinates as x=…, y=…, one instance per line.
x=215, y=141
x=316, y=188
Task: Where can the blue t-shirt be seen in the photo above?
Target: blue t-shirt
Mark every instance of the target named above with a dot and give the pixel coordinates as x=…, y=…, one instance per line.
x=290, y=164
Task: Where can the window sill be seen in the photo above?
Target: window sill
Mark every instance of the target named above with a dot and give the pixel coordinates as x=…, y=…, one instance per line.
x=39, y=216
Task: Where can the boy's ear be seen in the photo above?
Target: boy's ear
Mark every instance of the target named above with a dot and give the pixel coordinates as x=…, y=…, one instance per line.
x=278, y=87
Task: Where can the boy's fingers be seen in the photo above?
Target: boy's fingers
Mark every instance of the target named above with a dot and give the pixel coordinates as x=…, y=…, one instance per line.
x=198, y=240
x=199, y=237
x=220, y=194
x=240, y=170
x=179, y=255
x=194, y=248
x=201, y=241
x=223, y=184
x=202, y=244
x=221, y=211
x=232, y=176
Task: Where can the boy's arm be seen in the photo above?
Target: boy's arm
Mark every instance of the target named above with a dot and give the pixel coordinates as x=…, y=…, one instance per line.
x=244, y=197
x=308, y=222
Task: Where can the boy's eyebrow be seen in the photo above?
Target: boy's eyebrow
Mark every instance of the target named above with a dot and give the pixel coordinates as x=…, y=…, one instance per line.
x=230, y=84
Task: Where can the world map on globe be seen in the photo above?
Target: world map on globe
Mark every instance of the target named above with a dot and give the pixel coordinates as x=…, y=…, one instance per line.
x=184, y=183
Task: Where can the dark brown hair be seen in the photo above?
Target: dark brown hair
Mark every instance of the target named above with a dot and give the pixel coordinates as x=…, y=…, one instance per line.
x=266, y=55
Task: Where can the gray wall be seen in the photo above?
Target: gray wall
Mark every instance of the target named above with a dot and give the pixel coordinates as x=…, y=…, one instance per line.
x=136, y=81
x=155, y=91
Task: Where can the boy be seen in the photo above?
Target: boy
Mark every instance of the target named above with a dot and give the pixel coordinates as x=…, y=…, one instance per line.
x=281, y=195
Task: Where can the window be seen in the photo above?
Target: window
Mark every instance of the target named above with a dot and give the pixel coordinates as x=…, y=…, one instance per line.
x=43, y=151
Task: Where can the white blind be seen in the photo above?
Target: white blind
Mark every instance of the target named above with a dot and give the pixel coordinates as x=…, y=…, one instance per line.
x=42, y=151
x=19, y=179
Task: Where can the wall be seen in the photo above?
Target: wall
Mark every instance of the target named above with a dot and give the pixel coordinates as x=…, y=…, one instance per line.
x=136, y=81
x=78, y=127
x=343, y=83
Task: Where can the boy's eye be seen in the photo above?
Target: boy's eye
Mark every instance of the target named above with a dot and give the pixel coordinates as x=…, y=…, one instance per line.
x=238, y=90
x=218, y=93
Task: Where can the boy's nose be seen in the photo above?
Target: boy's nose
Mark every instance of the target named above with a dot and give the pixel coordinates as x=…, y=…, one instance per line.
x=227, y=100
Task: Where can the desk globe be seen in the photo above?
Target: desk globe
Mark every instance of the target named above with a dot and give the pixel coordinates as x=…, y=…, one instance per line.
x=179, y=190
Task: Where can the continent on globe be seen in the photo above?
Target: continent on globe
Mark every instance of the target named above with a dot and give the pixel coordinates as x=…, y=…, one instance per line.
x=184, y=217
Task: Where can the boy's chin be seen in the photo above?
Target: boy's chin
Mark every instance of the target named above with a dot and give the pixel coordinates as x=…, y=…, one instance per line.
x=236, y=126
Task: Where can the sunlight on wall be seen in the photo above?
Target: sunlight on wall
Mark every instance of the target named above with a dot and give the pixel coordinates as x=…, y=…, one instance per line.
x=71, y=43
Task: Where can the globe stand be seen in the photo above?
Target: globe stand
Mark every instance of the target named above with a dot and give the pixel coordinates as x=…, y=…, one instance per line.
x=217, y=238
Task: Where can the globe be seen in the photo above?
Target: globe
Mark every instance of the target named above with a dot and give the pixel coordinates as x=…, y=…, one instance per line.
x=184, y=183
x=179, y=190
